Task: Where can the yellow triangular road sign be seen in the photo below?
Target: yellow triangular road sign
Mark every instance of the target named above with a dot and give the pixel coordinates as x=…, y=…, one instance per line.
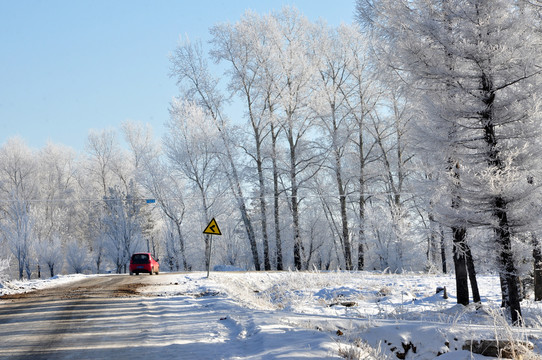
x=212, y=228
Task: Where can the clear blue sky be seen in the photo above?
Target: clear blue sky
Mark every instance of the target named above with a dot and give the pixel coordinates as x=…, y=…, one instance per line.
x=67, y=66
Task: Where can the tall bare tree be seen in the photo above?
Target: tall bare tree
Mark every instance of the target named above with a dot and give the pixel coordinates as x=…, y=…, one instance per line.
x=295, y=68
x=238, y=45
x=190, y=68
x=192, y=148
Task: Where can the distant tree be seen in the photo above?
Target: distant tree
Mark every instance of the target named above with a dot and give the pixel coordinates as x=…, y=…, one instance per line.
x=57, y=181
x=103, y=152
x=18, y=187
x=4, y=268
x=76, y=257
x=50, y=254
x=140, y=140
x=17, y=229
x=168, y=192
x=98, y=246
x=141, y=148
x=123, y=224
x=159, y=179
x=56, y=217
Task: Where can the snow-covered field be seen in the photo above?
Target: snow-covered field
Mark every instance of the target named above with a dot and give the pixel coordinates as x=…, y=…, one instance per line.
x=356, y=315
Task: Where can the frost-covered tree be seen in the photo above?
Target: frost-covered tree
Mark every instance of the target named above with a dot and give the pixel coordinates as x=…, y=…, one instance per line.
x=345, y=97
x=4, y=269
x=141, y=143
x=238, y=45
x=268, y=77
x=292, y=47
x=142, y=147
x=159, y=180
x=76, y=257
x=307, y=90
x=17, y=229
x=18, y=188
x=104, y=167
x=361, y=97
x=192, y=146
x=50, y=254
x=57, y=181
x=190, y=68
x=98, y=246
x=484, y=107
x=332, y=87
x=390, y=128
x=103, y=153
x=123, y=222
x=56, y=215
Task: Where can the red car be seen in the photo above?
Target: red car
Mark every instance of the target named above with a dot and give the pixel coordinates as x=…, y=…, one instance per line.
x=143, y=263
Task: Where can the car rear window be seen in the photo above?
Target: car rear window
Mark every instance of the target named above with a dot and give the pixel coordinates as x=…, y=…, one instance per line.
x=140, y=259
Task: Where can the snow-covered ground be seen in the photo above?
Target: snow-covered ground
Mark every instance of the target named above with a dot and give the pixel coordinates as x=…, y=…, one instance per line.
x=8, y=287
x=321, y=315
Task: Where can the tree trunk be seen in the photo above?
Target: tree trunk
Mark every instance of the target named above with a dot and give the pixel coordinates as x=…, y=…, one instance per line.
x=507, y=267
x=276, y=192
x=344, y=217
x=459, y=241
x=181, y=244
x=263, y=205
x=472, y=275
x=206, y=238
x=238, y=193
x=503, y=237
x=361, y=253
x=250, y=232
x=298, y=244
x=433, y=243
x=443, y=251
x=259, y=167
x=460, y=264
x=537, y=259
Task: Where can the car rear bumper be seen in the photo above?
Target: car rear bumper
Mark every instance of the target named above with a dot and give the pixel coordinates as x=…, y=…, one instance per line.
x=140, y=268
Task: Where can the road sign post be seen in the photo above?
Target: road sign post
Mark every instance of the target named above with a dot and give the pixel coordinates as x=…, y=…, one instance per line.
x=211, y=229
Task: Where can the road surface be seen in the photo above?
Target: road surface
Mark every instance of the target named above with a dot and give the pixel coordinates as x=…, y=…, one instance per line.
x=106, y=317
x=89, y=316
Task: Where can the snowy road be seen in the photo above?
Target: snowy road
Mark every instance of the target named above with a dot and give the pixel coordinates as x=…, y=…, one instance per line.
x=105, y=317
